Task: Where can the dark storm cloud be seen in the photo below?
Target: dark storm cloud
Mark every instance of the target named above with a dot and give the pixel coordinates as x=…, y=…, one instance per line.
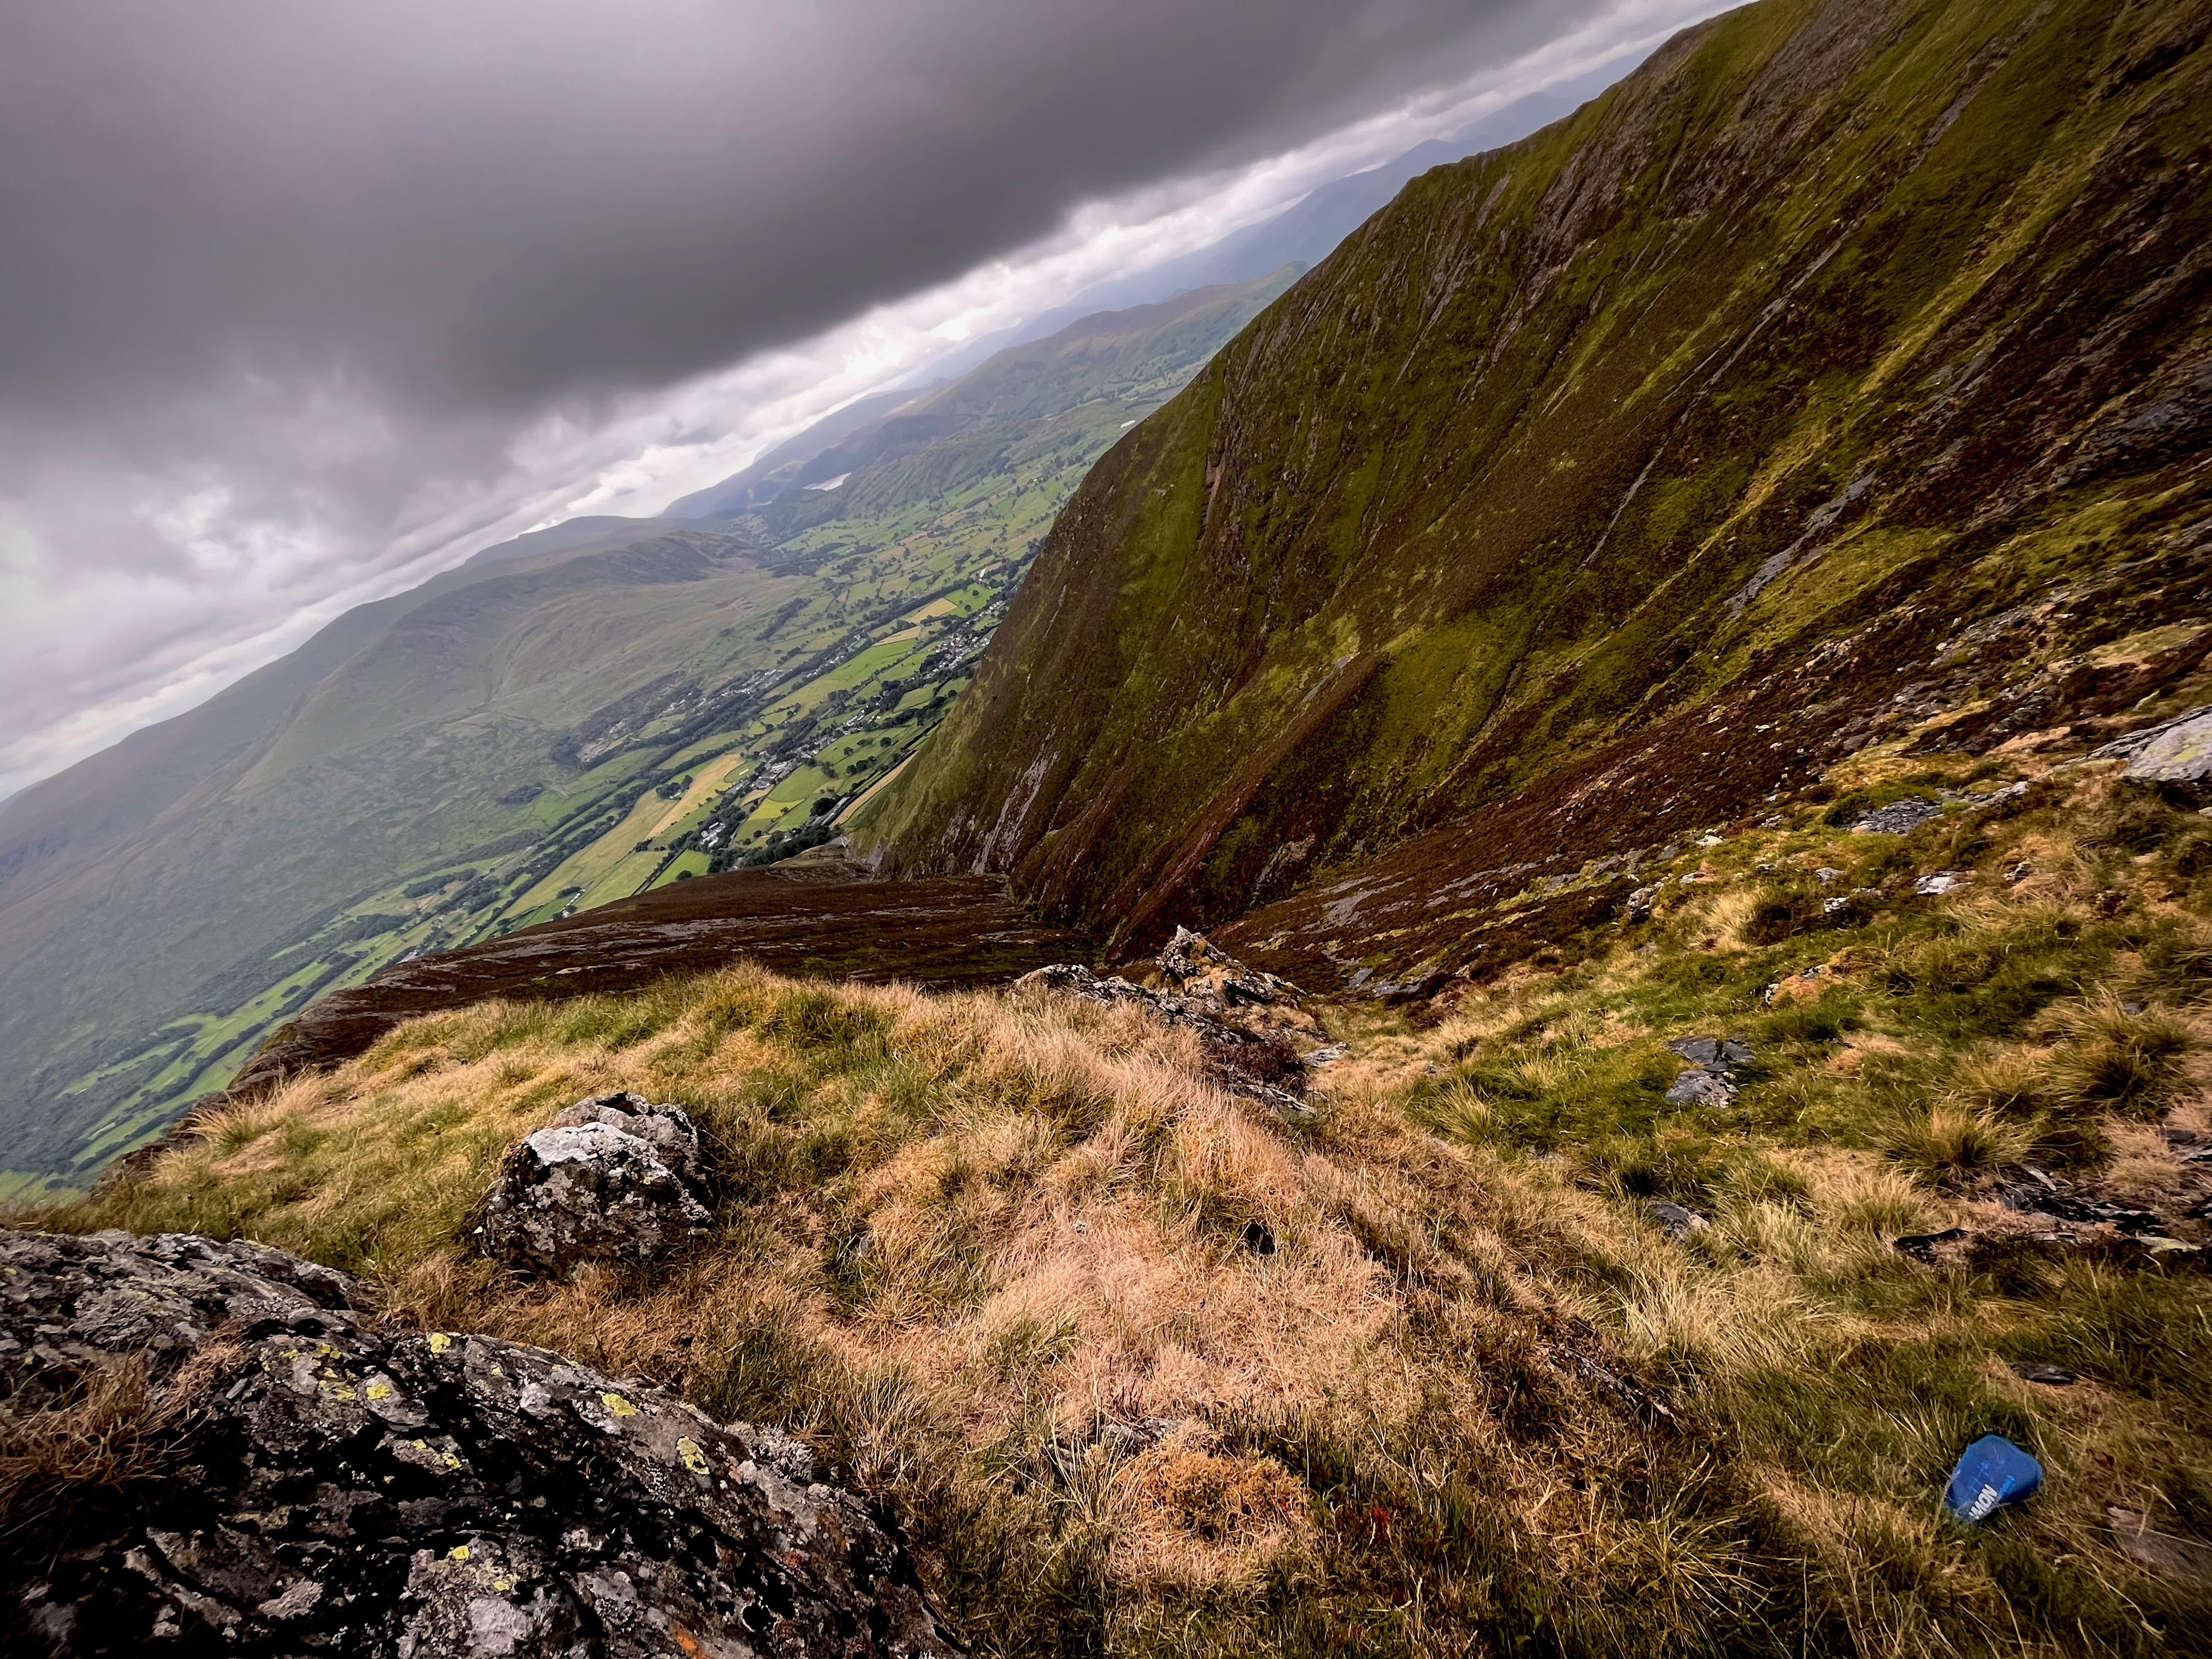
x=298, y=296
x=492, y=203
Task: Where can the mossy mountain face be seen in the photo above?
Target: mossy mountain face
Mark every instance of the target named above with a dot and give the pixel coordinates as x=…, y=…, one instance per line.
x=1842, y=368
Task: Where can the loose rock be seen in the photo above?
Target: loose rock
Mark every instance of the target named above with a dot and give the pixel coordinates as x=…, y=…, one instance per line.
x=348, y=1489
x=2047, y=1196
x=614, y=1178
x=1263, y=1066
x=1713, y=1083
x=1204, y=974
x=1947, y=1245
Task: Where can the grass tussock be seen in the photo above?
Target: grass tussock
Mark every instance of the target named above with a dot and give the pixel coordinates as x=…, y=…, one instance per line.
x=997, y=1259
x=68, y=1466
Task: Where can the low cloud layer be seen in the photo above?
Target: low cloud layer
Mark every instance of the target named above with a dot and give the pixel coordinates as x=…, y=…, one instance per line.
x=288, y=285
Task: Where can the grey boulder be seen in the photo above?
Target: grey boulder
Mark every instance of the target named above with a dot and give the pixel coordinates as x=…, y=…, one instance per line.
x=613, y=1179
x=338, y=1485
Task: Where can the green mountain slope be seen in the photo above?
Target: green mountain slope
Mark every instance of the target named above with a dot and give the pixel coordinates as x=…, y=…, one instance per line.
x=1601, y=485
x=567, y=721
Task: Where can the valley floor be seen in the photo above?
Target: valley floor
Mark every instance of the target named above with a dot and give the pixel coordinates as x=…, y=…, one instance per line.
x=1141, y=1367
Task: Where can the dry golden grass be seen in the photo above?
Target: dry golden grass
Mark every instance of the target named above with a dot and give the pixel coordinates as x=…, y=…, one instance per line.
x=993, y=1256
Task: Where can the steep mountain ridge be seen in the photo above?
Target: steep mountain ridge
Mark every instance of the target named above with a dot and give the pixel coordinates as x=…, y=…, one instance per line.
x=1605, y=484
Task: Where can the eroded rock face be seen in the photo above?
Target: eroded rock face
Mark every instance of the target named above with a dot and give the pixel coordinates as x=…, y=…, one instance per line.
x=614, y=1178
x=343, y=1488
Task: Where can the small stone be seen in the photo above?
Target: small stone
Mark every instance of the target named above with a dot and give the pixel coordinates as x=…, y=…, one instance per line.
x=2053, y=1377
x=1327, y=1054
x=1827, y=873
x=1943, y=881
x=1679, y=1221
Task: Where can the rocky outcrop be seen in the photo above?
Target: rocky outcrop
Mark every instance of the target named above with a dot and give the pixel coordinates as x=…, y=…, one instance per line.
x=1245, y=1021
x=1203, y=973
x=613, y=1179
x=338, y=1486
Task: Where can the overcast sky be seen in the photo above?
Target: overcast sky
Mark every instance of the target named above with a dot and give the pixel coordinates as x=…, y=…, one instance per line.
x=301, y=300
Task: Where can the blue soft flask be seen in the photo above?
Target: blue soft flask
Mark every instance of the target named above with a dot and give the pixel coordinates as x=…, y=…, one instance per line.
x=1991, y=1473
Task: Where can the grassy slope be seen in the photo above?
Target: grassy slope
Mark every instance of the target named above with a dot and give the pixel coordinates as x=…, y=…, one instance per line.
x=958, y=1237
x=394, y=812
x=1833, y=330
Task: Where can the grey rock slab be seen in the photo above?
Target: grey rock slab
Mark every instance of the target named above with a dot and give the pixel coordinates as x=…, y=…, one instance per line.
x=1941, y=882
x=1699, y=1087
x=2136, y=745
x=1899, y=818
x=350, y=1488
x=2178, y=756
x=1203, y=972
x=1714, y=1054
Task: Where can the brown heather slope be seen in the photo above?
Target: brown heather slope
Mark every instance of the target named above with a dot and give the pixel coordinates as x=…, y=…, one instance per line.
x=1850, y=364
x=818, y=918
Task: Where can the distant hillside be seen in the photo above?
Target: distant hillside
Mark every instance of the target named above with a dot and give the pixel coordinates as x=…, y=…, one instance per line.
x=1846, y=365
x=568, y=719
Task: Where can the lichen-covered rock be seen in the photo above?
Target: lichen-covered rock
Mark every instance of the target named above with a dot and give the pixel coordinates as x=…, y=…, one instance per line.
x=614, y=1178
x=1203, y=973
x=345, y=1488
x=2176, y=755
